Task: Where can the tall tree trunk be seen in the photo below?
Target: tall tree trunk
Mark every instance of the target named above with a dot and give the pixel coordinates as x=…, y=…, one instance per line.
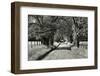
x=75, y=36
x=51, y=41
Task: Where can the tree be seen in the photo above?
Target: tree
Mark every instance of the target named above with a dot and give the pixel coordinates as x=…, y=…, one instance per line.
x=79, y=29
x=45, y=28
x=56, y=28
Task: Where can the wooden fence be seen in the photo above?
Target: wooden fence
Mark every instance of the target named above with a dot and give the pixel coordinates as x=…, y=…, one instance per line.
x=34, y=43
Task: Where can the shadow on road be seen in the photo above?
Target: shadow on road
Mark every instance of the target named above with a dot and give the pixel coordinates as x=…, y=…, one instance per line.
x=53, y=49
x=44, y=55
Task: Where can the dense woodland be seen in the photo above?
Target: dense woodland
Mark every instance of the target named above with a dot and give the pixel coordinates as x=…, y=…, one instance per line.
x=49, y=29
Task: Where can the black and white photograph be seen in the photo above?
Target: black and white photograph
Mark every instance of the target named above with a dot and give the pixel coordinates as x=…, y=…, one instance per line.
x=53, y=37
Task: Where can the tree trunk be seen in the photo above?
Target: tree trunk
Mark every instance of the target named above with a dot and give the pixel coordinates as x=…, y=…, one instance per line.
x=51, y=41
x=75, y=36
x=75, y=39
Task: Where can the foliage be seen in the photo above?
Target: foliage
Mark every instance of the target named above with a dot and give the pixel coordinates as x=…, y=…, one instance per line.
x=56, y=28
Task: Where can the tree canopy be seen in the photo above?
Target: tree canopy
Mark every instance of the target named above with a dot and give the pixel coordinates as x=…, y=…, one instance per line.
x=56, y=28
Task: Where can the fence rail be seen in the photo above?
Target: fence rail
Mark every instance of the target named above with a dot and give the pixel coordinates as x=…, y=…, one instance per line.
x=34, y=43
x=83, y=44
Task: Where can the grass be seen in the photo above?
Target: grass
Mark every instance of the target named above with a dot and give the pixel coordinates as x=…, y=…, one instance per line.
x=41, y=52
